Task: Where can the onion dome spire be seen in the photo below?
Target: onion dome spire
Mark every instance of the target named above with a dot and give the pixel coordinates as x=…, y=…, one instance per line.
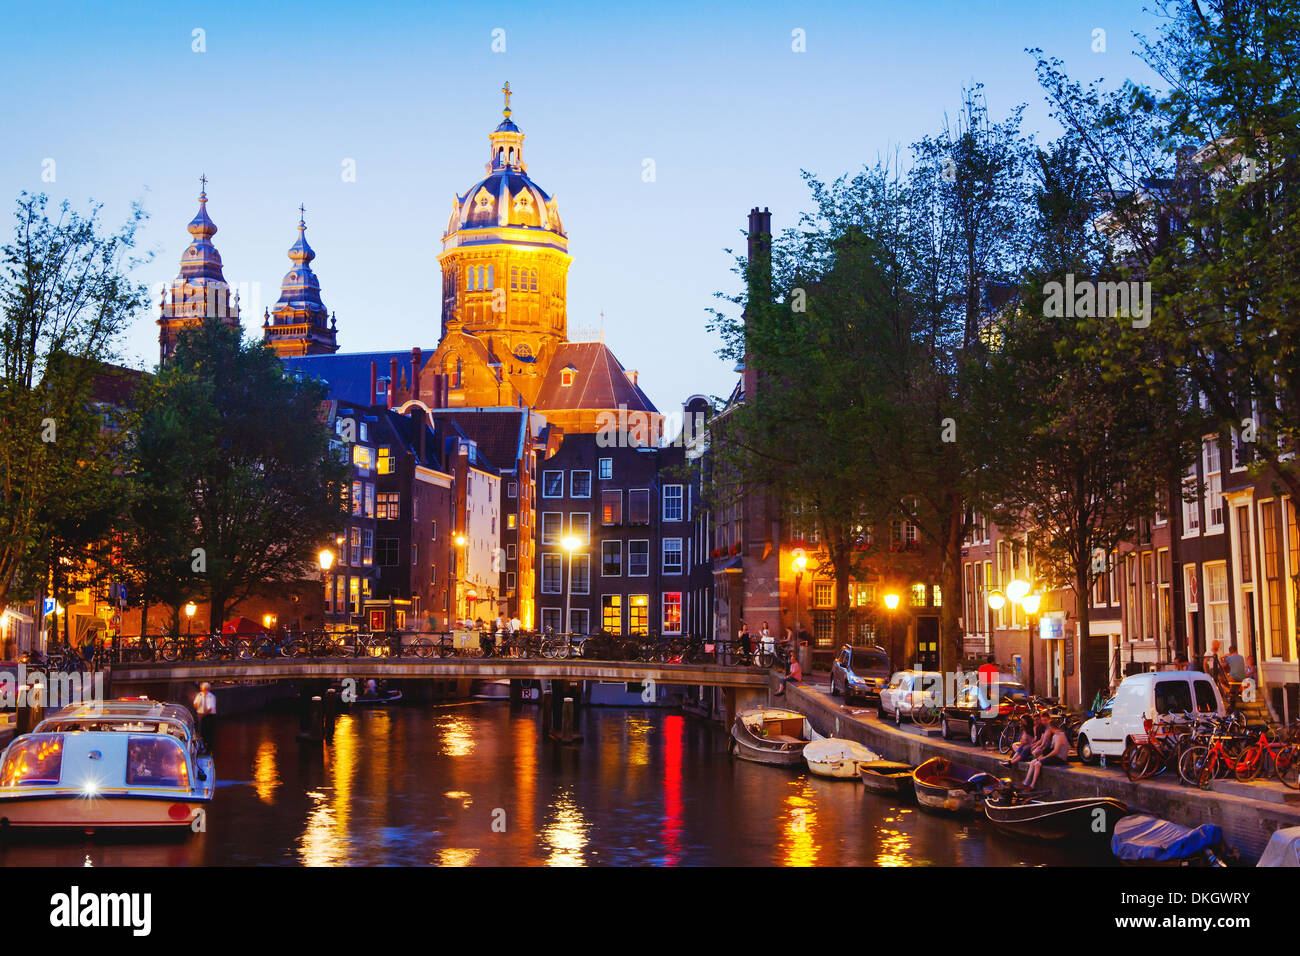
x=299, y=323
x=201, y=259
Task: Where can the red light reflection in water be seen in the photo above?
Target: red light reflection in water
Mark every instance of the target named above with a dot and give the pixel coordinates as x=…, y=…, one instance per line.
x=674, y=734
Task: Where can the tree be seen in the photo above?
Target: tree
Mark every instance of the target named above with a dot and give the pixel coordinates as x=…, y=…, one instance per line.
x=1086, y=442
x=244, y=449
x=65, y=296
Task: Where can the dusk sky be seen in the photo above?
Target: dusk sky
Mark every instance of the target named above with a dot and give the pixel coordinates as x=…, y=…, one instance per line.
x=286, y=94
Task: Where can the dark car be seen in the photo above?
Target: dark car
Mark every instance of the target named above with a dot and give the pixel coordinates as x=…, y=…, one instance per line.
x=980, y=704
x=860, y=672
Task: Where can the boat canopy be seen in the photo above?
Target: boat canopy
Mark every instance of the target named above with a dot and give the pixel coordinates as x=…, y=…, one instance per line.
x=1141, y=836
x=96, y=763
x=1283, y=848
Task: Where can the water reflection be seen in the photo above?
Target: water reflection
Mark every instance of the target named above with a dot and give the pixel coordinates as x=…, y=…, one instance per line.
x=478, y=785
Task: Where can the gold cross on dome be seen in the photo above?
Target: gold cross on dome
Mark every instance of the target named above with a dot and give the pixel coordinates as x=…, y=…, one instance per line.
x=302, y=212
x=506, y=90
x=203, y=182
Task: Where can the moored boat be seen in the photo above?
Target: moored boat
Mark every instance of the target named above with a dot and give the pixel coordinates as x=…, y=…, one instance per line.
x=886, y=776
x=1039, y=817
x=1144, y=840
x=837, y=757
x=379, y=699
x=942, y=784
x=118, y=764
x=771, y=736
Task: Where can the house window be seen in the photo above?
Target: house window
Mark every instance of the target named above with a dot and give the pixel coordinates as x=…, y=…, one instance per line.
x=510, y=552
x=611, y=613
x=512, y=489
x=551, y=619
x=1216, y=597
x=918, y=595
x=638, y=614
x=580, y=526
x=551, y=574
x=638, y=506
x=385, y=461
x=354, y=542
x=370, y=500
x=566, y=377
x=361, y=456
x=638, y=559
x=1271, y=547
x=552, y=527
x=1213, y=488
x=386, y=552
x=358, y=498
x=510, y=581
x=510, y=521
x=611, y=507
x=388, y=506
x=605, y=469
x=580, y=484
x=579, y=621
x=552, y=484
x=580, y=574
x=1191, y=504
x=672, y=612
x=611, y=559
x=672, y=555
x=823, y=594
x=672, y=502
x=354, y=595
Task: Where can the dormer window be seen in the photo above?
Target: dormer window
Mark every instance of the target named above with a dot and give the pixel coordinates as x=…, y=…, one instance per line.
x=567, y=375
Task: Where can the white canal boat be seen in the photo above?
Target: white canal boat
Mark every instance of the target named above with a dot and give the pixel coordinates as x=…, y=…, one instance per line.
x=837, y=757
x=116, y=764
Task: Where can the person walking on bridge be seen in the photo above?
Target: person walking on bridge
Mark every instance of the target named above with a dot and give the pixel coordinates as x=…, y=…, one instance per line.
x=205, y=708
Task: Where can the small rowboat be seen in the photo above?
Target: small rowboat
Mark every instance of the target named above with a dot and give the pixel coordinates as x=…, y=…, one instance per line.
x=942, y=784
x=837, y=757
x=1032, y=815
x=771, y=736
x=382, y=698
x=886, y=776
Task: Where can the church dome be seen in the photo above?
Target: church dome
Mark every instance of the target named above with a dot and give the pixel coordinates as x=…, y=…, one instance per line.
x=506, y=204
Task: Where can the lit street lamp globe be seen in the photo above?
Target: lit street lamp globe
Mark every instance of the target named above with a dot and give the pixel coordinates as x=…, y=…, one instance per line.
x=190, y=609
x=1030, y=603
x=996, y=599
x=326, y=559
x=1017, y=589
x=891, y=601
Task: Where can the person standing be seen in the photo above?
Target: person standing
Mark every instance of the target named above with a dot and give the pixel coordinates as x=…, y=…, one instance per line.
x=205, y=708
x=1236, y=664
x=746, y=645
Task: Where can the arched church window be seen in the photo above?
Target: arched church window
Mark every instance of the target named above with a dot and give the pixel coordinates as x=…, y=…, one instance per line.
x=452, y=371
x=469, y=279
x=491, y=283
x=514, y=278
x=501, y=155
x=532, y=281
x=512, y=155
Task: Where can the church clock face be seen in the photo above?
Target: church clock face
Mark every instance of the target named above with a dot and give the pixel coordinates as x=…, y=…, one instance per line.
x=522, y=351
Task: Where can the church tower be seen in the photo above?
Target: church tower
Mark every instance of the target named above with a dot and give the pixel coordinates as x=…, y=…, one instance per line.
x=297, y=324
x=200, y=290
x=505, y=264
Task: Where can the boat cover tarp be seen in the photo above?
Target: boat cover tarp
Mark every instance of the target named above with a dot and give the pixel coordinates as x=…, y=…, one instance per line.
x=1283, y=848
x=1141, y=836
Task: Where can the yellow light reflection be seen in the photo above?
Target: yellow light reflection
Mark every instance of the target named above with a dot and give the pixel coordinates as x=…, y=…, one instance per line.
x=895, y=848
x=456, y=857
x=566, y=834
x=457, y=737
x=799, y=846
x=266, y=775
x=324, y=840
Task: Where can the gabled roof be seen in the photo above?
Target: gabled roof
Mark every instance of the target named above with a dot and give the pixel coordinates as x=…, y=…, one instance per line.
x=348, y=373
x=499, y=433
x=599, y=382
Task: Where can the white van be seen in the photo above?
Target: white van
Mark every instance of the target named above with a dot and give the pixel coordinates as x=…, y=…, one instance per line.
x=1143, y=696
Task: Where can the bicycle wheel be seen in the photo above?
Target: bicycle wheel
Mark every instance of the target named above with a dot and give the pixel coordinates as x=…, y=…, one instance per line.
x=1141, y=763
x=1247, y=766
x=1286, y=766
x=927, y=716
x=1190, y=762
x=1008, y=737
x=1209, y=770
x=421, y=647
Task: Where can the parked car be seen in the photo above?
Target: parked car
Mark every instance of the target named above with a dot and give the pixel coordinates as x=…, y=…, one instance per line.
x=908, y=690
x=980, y=704
x=1143, y=696
x=860, y=672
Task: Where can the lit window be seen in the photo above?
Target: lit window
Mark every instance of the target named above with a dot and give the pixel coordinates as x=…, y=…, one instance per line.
x=611, y=613
x=611, y=507
x=606, y=469
x=672, y=612
x=824, y=594
x=362, y=457
x=385, y=461
x=638, y=614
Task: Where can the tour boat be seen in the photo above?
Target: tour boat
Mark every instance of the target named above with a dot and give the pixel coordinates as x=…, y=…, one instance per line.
x=771, y=736
x=380, y=698
x=117, y=764
x=1032, y=815
x=942, y=784
x=886, y=776
x=837, y=757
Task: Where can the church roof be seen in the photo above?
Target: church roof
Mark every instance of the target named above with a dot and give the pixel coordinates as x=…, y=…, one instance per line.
x=500, y=433
x=347, y=374
x=599, y=381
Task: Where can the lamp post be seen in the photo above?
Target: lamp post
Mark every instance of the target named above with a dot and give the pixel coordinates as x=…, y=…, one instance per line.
x=325, y=558
x=1019, y=591
x=797, y=564
x=570, y=544
x=460, y=541
x=189, y=617
x=891, y=605
x=1030, y=603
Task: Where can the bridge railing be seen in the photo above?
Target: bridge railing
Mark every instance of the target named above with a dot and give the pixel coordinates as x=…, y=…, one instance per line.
x=523, y=644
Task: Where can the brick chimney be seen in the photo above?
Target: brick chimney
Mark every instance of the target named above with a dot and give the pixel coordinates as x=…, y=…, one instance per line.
x=415, y=373
x=392, y=381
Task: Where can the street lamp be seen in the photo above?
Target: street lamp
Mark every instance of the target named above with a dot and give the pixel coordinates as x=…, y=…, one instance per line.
x=461, y=611
x=268, y=621
x=325, y=558
x=891, y=605
x=570, y=545
x=1019, y=592
x=189, y=616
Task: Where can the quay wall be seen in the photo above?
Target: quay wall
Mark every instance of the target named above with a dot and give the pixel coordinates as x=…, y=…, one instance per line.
x=1247, y=822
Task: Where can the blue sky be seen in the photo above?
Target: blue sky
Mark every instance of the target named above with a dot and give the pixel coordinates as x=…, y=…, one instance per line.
x=712, y=93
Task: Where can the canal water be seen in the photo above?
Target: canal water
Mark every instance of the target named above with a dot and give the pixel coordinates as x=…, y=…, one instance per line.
x=475, y=784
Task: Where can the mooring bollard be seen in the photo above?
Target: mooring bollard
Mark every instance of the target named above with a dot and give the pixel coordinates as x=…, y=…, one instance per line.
x=317, y=720
x=566, y=722
x=331, y=713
